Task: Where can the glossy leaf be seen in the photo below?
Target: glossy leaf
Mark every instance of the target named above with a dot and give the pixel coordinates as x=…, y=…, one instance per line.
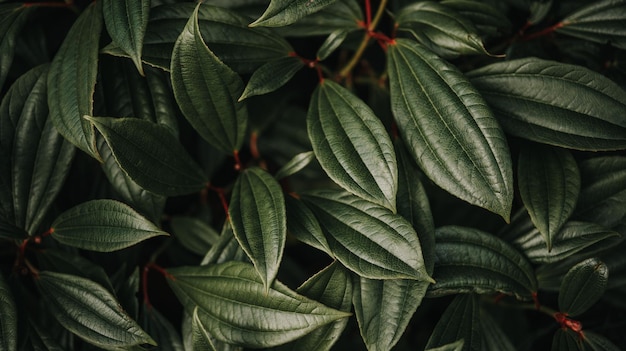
x=60, y=261
x=8, y=323
x=600, y=22
x=367, y=238
x=470, y=260
x=271, y=76
x=235, y=306
x=352, y=144
x=340, y=15
x=448, y=128
x=259, y=220
x=583, y=286
x=126, y=21
x=102, y=225
x=566, y=340
x=201, y=338
x=226, y=249
x=536, y=99
x=163, y=168
x=100, y=322
x=72, y=80
x=207, y=90
x=303, y=225
x=296, y=164
x=12, y=20
x=194, y=234
x=332, y=42
x=597, y=342
x=280, y=13
x=460, y=321
x=454, y=346
x=486, y=17
x=549, y=183
x=164, y=333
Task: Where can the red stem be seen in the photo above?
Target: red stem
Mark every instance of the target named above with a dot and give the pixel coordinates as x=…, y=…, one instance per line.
x=254, y=149
x=238, y=165
x=543, y=32
x=568, y=323
x=368, y=14
x=144, y=286
x=220, y=194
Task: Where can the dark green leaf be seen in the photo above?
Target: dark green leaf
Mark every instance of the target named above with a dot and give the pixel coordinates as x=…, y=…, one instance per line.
x=537, y=100
x=89, y=311
x=303, y=225
x=539, y=9
x=12, y=19
x=597, y=342
x=226, y=249
x=280, y=13
x=164, y=333
x=41, y=339
x=201, y=338
x=162, y=167
x=72, y=80
x=207, y=90
x=9, y=231
x=271, y=76
x=583, y=286
x=258, y=216
x=460, y=321
x=332, y=42
x=235, y=306
x=549, y=183
x=600, y=22
x=470, y=260
x=368, y=238
x=486, y=17
x=102, y=225
x=340, y=15
x=448, y=128
x=493, y=336
x=194, y=234
x=8, y=322
x=352, y=144
x=454, y=346
x=126, y=22
x=296, y=164
x=566, y=340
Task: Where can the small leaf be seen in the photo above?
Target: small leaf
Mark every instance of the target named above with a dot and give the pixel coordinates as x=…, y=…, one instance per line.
x=235, y=306
x=352, y=144
x=303, y=225
x=194, y=234
x=470, y=260
x=367, y=238
x=207, y=90
x=126, y=21
x=162, y=167
x=549, y=184
x=201, y=338
x=583, y=286
x=89, y=311
x=448, y=128
x=332, y=42
x=536, y=99
x=280, y=13
x=597, y=342
x=340, y=15
x=454, y=346
x=12, y=19
x=460, y=321
x=8, y=323
x=566, y=340
x=271, y=76
x=599, y=22
x=165, y=334
x=102, y=225
x=258, y=216
x=72, y=80
x=296, y=164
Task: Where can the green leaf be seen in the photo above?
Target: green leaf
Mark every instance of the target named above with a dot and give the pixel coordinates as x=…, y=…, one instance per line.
x=448, y=128
x=271, y=76
x=470, y=260
x=207, y=90
x=89, y=311
x=536, y=99
x=454, y=346
x=165, y=334
x=566, y=340
x=38, y=159
x=493, y=336
x=352, y=144
x=12, y=19
x=367, y=238
x=9, y=231
x=441, y=29
x=600, y=22
x=303, y=225
x=583, y=286
x=486, y=17
x=573, y=237
x=8, y=323
x=460, y=321
x=332, y=42
x=102, y=225
x=296, y=164
x=384, y=309
x=597, y=342
x=162, y=167
x=258, y=216
x=126, y=21
x=235, y=306
x=280, y=13
x=201, y=338
x=333, y=287
x=340, y=15
x=194, y=234
x=549, y=183
x=72, y=80
x=226, y=249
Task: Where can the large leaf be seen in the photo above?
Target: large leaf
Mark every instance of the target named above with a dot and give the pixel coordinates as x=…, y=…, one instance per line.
x=102, y=225
x=259, y=219
x=284, y=12
x=453, y=346
x=600, y=22
x=494, y=337
x=460, y=320
x=367, y=238
x=60, y=261
x=89, y=311
x=151, y=156
x=549, y=183
x=37, y=158
x=583, y=286
x=470, y=260
x=486, y=17
x=448, y=128
x=126, y=21
x=8, y=323
x=352, y=144
x=201, y=338
x=12, y=19
x=340, y=15
x=235, y=307
x=538, y=100
x=207, y=90
x=72, y=80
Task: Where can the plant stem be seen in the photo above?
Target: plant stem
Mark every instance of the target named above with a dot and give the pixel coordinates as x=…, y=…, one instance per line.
x=543, y=32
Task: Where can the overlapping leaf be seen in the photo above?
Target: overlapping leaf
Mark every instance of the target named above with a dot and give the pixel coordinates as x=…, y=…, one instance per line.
x=165, y=334
x=194, y=234
x=200, y=337
x=486, y=17
x=12, y=19
x=284, y=12
x=226, y=249
x=102, y=225
x=597, y=342
x=207, y=90
x=60, y=261
x=272, y=76
x=460, y=320
x=340, y=15
x=448, y=128
x=126, y=22
x=296, y=164
x=9, y=231
x=583, y=286
x=600, y=21
x=235, y=307
x=453, y=346
x=303, y=225
x=352, y=144
x=566, y=340
x=539, y=100
x=8, y=323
